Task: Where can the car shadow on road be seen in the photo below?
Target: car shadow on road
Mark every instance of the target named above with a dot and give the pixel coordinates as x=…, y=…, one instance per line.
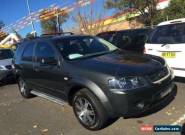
x=9, y=82
x=157, y=107
x=180, y=79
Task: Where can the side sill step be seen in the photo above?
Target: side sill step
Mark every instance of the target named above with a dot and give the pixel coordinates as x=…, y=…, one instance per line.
x=48, y=97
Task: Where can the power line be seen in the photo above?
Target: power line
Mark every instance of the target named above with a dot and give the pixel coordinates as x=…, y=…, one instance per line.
x=50, y=12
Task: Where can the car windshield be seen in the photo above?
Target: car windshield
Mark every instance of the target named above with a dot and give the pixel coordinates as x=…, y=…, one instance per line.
x=168, y=34
x=85, y=46
x=6, y=54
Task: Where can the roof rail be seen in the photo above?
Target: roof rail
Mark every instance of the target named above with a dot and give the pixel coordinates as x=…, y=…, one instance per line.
x=28, y=38
x=59, y=33
x=45, y=35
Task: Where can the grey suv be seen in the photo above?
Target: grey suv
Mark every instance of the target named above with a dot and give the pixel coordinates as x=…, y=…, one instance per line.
x=97, y=79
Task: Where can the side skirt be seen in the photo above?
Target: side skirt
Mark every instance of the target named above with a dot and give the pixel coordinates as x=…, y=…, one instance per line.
x=48, y=97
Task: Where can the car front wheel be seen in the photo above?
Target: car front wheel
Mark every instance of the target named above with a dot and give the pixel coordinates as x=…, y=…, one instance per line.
x=89, y=110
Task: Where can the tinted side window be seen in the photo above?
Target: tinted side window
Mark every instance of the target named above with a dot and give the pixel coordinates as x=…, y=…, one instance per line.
x=44, y=51
x=28, y=52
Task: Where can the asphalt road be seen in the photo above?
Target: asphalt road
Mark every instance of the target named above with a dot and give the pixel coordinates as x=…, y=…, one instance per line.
x=38, y=116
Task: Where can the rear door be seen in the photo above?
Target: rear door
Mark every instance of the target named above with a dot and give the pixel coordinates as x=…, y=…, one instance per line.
x=26, y=62
x=168, y=42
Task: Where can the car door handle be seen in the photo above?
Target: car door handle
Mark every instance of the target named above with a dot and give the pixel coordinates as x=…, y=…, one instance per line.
x=67, y=76
x=36, y=69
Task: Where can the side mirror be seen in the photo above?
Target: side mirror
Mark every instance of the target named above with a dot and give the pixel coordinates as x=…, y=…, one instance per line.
x=49, y=61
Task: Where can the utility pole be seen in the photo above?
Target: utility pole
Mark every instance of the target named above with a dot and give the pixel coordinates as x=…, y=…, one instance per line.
x=33, y=28
x=58, y=21
x=58, y=17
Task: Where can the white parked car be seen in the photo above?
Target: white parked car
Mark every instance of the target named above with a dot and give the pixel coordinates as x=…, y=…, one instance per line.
x=6, y=71
x=168, y=41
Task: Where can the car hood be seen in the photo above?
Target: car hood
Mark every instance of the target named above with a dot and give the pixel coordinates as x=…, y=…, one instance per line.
x=5, y=62
x=123, y=63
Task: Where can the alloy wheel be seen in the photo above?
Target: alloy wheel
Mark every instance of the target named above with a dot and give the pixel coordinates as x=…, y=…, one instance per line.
x=85, y=111
x=22, y=86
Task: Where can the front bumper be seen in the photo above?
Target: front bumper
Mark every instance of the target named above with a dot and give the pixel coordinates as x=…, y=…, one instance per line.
x=6, y=75
x=138, y=101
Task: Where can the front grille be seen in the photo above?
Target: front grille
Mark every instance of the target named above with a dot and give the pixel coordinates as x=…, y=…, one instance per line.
x=159, y=75
x=9, y=67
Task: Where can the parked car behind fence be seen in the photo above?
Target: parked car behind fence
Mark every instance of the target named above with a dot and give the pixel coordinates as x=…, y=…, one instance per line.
x=6, y=71
x=132, y=39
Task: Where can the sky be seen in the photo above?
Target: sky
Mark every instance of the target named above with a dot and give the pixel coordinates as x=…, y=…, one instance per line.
x=12, y=10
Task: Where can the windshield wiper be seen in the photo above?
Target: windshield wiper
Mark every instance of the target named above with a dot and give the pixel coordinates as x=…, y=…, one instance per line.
x=96, y=54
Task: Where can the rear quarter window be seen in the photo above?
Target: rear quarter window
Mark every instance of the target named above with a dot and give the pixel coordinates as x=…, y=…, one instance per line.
x=28, y=51
x=18, y=51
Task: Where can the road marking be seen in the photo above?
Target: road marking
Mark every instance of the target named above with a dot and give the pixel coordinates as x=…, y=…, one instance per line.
x=181, y=119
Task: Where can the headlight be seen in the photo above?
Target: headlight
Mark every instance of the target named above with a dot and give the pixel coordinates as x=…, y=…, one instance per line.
x=170, y=70
x=127, y=83
x=2, y=68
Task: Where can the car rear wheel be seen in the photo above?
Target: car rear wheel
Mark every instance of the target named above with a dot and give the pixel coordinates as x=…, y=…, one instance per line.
x=89, y=110
x=24, y=90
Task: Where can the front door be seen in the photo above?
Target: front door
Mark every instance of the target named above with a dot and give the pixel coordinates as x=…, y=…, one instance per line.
x=48, y=72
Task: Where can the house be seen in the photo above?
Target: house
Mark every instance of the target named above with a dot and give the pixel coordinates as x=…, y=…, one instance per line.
x=10, y=40
x=118, y=20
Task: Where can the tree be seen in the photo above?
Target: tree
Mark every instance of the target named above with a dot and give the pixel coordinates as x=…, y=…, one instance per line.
x=49, y=22
x=3, y=34
x=89, y=21
x=175, y=10
x=147, y=9
x=1, y=24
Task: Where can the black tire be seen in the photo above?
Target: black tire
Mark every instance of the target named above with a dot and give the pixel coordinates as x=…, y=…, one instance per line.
x=24, y=90
x=100, y=117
